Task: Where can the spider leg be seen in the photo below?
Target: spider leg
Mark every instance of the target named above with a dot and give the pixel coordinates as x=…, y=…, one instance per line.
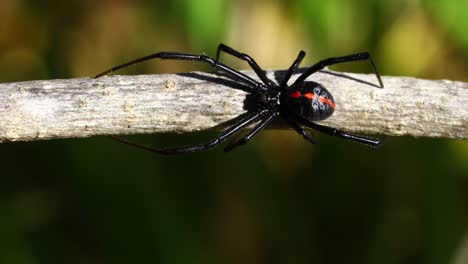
x=189, y=57
x=260, y=73
x=335, y=60
x=265, y=122
x=373, y=142
x=292, y=69
x=300, y=130
x=201, y=147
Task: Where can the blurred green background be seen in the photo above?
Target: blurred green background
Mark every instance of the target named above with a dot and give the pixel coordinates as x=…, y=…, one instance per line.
x=277, y=200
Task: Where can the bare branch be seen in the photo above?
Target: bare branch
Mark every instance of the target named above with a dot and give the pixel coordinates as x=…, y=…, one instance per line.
x=119, y=105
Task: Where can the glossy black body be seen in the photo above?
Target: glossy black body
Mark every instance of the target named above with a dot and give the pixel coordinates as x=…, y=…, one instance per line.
x=299, y=104
x=310, y=109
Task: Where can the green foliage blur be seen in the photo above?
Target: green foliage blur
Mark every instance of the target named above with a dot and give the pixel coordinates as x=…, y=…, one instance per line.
x=276, y=200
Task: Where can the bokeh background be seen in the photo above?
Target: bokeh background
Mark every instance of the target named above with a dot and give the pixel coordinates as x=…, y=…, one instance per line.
x=277, y=200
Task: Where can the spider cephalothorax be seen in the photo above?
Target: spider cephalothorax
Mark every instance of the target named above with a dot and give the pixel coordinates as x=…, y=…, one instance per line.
x=299, y=104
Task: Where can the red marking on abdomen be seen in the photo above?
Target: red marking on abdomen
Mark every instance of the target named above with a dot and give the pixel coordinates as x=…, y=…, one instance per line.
x=327, y=101
x=309, y=96
x=296, y=94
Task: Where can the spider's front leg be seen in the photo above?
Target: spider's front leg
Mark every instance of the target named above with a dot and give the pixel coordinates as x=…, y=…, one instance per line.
x=300, y=130
x=189, y=57
x=264, y=123
x=292, y=69
x=335, y=60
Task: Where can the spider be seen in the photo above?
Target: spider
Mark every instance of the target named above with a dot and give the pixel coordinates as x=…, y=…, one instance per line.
x=299, y=104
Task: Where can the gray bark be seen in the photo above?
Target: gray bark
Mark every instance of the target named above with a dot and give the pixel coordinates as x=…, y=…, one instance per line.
x=163, y=103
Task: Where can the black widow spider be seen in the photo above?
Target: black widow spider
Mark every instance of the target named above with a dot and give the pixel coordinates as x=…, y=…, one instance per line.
x=300, y=104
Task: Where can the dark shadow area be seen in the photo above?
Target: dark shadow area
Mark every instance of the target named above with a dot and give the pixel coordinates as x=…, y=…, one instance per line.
x=227, y=81
x=250, y=99
x=230, y=122
x=230, y=83
x=279, y=75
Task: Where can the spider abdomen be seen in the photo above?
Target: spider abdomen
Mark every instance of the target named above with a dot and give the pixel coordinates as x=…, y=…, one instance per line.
x=310, y=100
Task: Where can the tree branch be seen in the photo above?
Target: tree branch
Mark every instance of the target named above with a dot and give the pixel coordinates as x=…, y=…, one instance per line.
x=119, y=105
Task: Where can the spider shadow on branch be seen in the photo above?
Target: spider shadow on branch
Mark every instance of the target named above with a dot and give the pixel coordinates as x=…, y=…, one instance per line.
x=226, y=80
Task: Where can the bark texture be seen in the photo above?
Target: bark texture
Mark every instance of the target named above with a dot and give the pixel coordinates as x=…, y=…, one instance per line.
x=118, y=105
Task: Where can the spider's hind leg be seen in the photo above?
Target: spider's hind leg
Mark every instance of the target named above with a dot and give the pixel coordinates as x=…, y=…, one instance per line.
x=253, y=64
